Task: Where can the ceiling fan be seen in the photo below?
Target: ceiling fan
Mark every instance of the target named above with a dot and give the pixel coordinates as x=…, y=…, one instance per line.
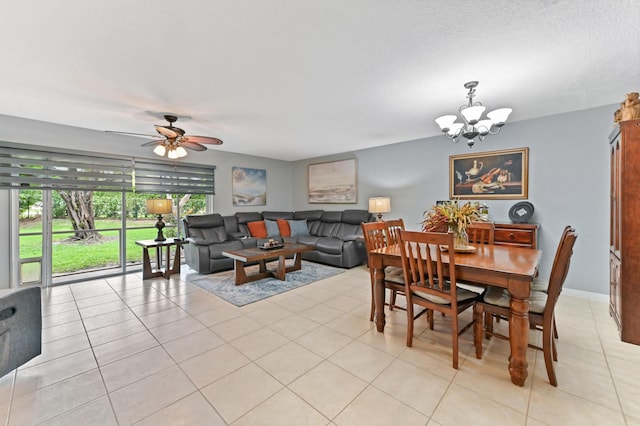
x=175, y=141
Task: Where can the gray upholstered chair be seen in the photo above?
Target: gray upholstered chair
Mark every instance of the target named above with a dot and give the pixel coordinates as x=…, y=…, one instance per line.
x=20, y=327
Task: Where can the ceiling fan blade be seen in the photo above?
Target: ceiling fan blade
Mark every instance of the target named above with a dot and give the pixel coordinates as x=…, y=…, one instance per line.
x=169, y=132
x=130, y=133
x=156, y=142
x=202, y=139
x=192, y=145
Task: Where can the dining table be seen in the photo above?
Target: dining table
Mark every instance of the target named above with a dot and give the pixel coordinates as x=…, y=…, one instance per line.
x=506, y=266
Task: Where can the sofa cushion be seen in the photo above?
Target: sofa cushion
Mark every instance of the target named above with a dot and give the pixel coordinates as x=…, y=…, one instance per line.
x=272, y=228
x=329, y=245
x=258, y=229
x=348, y=232
x=298, y=227
x=355, y=217
x=246, y=217
x=309, y=240
x=331, y=217
x=327, y=229
x=285, y=229
x=277, y=215
x=205, y=221
x=310, y=215
x=215, y=250
x=214, y=235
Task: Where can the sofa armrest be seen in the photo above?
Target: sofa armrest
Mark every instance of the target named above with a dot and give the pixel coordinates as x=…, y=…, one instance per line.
x=198, y=241
x=197, y=257
x=352, y=237
x=238, y=235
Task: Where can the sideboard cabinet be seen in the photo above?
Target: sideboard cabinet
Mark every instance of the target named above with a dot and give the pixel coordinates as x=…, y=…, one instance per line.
x=516, y=234
x=624, y=230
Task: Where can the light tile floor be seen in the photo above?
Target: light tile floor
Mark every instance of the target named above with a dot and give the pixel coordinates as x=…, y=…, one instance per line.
x=124, y=351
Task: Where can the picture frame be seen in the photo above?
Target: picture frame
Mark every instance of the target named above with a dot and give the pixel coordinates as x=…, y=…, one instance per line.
x=490, y=175
x=333, y=182
x=248, y=186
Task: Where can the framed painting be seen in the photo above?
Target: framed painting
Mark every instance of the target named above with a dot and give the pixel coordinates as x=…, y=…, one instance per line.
x=249, y=186
x=333, y=182
x=485, y=175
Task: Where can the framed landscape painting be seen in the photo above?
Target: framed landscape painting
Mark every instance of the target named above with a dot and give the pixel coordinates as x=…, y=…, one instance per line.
x=333, y=182
x=249, y=186
x=485, y=175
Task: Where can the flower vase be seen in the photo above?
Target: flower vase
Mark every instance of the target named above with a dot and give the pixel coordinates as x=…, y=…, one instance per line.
x=460, y=237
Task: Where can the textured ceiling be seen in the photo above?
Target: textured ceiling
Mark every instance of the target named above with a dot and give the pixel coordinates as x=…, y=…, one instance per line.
x=293, y=79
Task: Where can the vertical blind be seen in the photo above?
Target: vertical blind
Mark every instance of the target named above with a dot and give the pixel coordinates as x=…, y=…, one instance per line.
x=36, y=167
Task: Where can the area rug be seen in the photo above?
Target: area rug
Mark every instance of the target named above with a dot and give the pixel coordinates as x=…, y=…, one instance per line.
x=222, y=283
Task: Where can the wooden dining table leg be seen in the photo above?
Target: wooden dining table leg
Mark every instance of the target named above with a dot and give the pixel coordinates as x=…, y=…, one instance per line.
x=379, y=293
x=519, y=333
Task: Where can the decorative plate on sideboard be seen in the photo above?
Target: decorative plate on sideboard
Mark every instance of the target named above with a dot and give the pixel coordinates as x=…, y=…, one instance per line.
x=521, y=212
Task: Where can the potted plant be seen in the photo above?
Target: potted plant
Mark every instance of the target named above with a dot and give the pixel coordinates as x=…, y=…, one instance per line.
x=451, y=216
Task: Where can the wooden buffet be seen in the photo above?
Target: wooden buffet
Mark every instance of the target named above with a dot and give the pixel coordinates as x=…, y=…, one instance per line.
x=624, y=240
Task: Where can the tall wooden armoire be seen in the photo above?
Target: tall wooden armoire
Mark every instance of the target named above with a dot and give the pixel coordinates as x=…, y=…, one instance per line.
x=624, y=250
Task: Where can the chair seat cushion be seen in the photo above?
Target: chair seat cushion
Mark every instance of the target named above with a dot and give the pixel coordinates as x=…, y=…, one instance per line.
x=542, y=286
x=500, y=297
x=461, y=296
x=394, y=274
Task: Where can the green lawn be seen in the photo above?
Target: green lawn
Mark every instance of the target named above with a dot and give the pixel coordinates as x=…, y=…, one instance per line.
x=71, y=256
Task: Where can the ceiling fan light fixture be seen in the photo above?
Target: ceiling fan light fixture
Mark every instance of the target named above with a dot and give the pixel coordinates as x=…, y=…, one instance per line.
x=174, y=143
x=181, y=152
x=160, y=150
x=172, y=154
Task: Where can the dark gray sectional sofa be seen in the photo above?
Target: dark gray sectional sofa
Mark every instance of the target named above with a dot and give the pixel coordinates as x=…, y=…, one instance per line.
x=335, y=235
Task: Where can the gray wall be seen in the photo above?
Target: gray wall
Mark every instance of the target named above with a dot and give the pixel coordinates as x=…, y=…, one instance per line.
x=568, y=179
x=568, y=183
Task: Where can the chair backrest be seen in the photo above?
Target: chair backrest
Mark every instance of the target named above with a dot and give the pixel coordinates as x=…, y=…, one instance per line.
x=481, y=232
x=423, y=265
x=394, y=227
x=560, y=268
x=374, y=236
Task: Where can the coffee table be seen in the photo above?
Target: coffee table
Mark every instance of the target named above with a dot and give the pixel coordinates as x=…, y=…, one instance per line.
x=251, y=255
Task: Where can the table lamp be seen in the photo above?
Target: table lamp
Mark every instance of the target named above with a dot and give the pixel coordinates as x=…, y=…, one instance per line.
x=159, y=206
x=379, y=205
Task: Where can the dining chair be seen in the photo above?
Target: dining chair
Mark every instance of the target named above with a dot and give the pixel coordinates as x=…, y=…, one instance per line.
x=374, y=238
x=496, y=301
x=540, y=285
x=424, y=263
x=481, y=232
x=394, y=226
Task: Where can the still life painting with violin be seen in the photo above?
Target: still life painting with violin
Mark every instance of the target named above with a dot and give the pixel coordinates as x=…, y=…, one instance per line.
x=496, y=174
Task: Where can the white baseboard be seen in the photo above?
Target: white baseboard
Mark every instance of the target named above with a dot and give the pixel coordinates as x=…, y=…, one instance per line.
x=586, y=295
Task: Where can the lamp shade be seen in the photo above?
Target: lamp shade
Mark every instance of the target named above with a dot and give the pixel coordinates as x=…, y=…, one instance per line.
x=379, y=205
x=160, y=150
x=472, y=114
x=159, y=206
x=445, y=122
x=499, y=116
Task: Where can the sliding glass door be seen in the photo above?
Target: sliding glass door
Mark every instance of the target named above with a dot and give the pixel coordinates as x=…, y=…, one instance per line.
x=67, y=236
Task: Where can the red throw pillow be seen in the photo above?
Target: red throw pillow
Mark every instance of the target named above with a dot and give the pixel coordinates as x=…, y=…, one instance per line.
x=285, y=230
x=257, y=229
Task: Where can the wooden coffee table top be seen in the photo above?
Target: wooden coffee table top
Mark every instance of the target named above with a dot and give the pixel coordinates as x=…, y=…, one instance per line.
x=255, y=253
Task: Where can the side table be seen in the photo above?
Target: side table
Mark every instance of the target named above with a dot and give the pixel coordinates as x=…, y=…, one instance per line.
x=147, y=271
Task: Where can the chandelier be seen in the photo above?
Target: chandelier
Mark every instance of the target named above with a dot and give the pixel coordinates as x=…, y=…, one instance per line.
x=473, y=126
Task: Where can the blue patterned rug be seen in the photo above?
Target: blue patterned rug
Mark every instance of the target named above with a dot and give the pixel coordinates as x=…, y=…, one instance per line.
x=222, y=283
